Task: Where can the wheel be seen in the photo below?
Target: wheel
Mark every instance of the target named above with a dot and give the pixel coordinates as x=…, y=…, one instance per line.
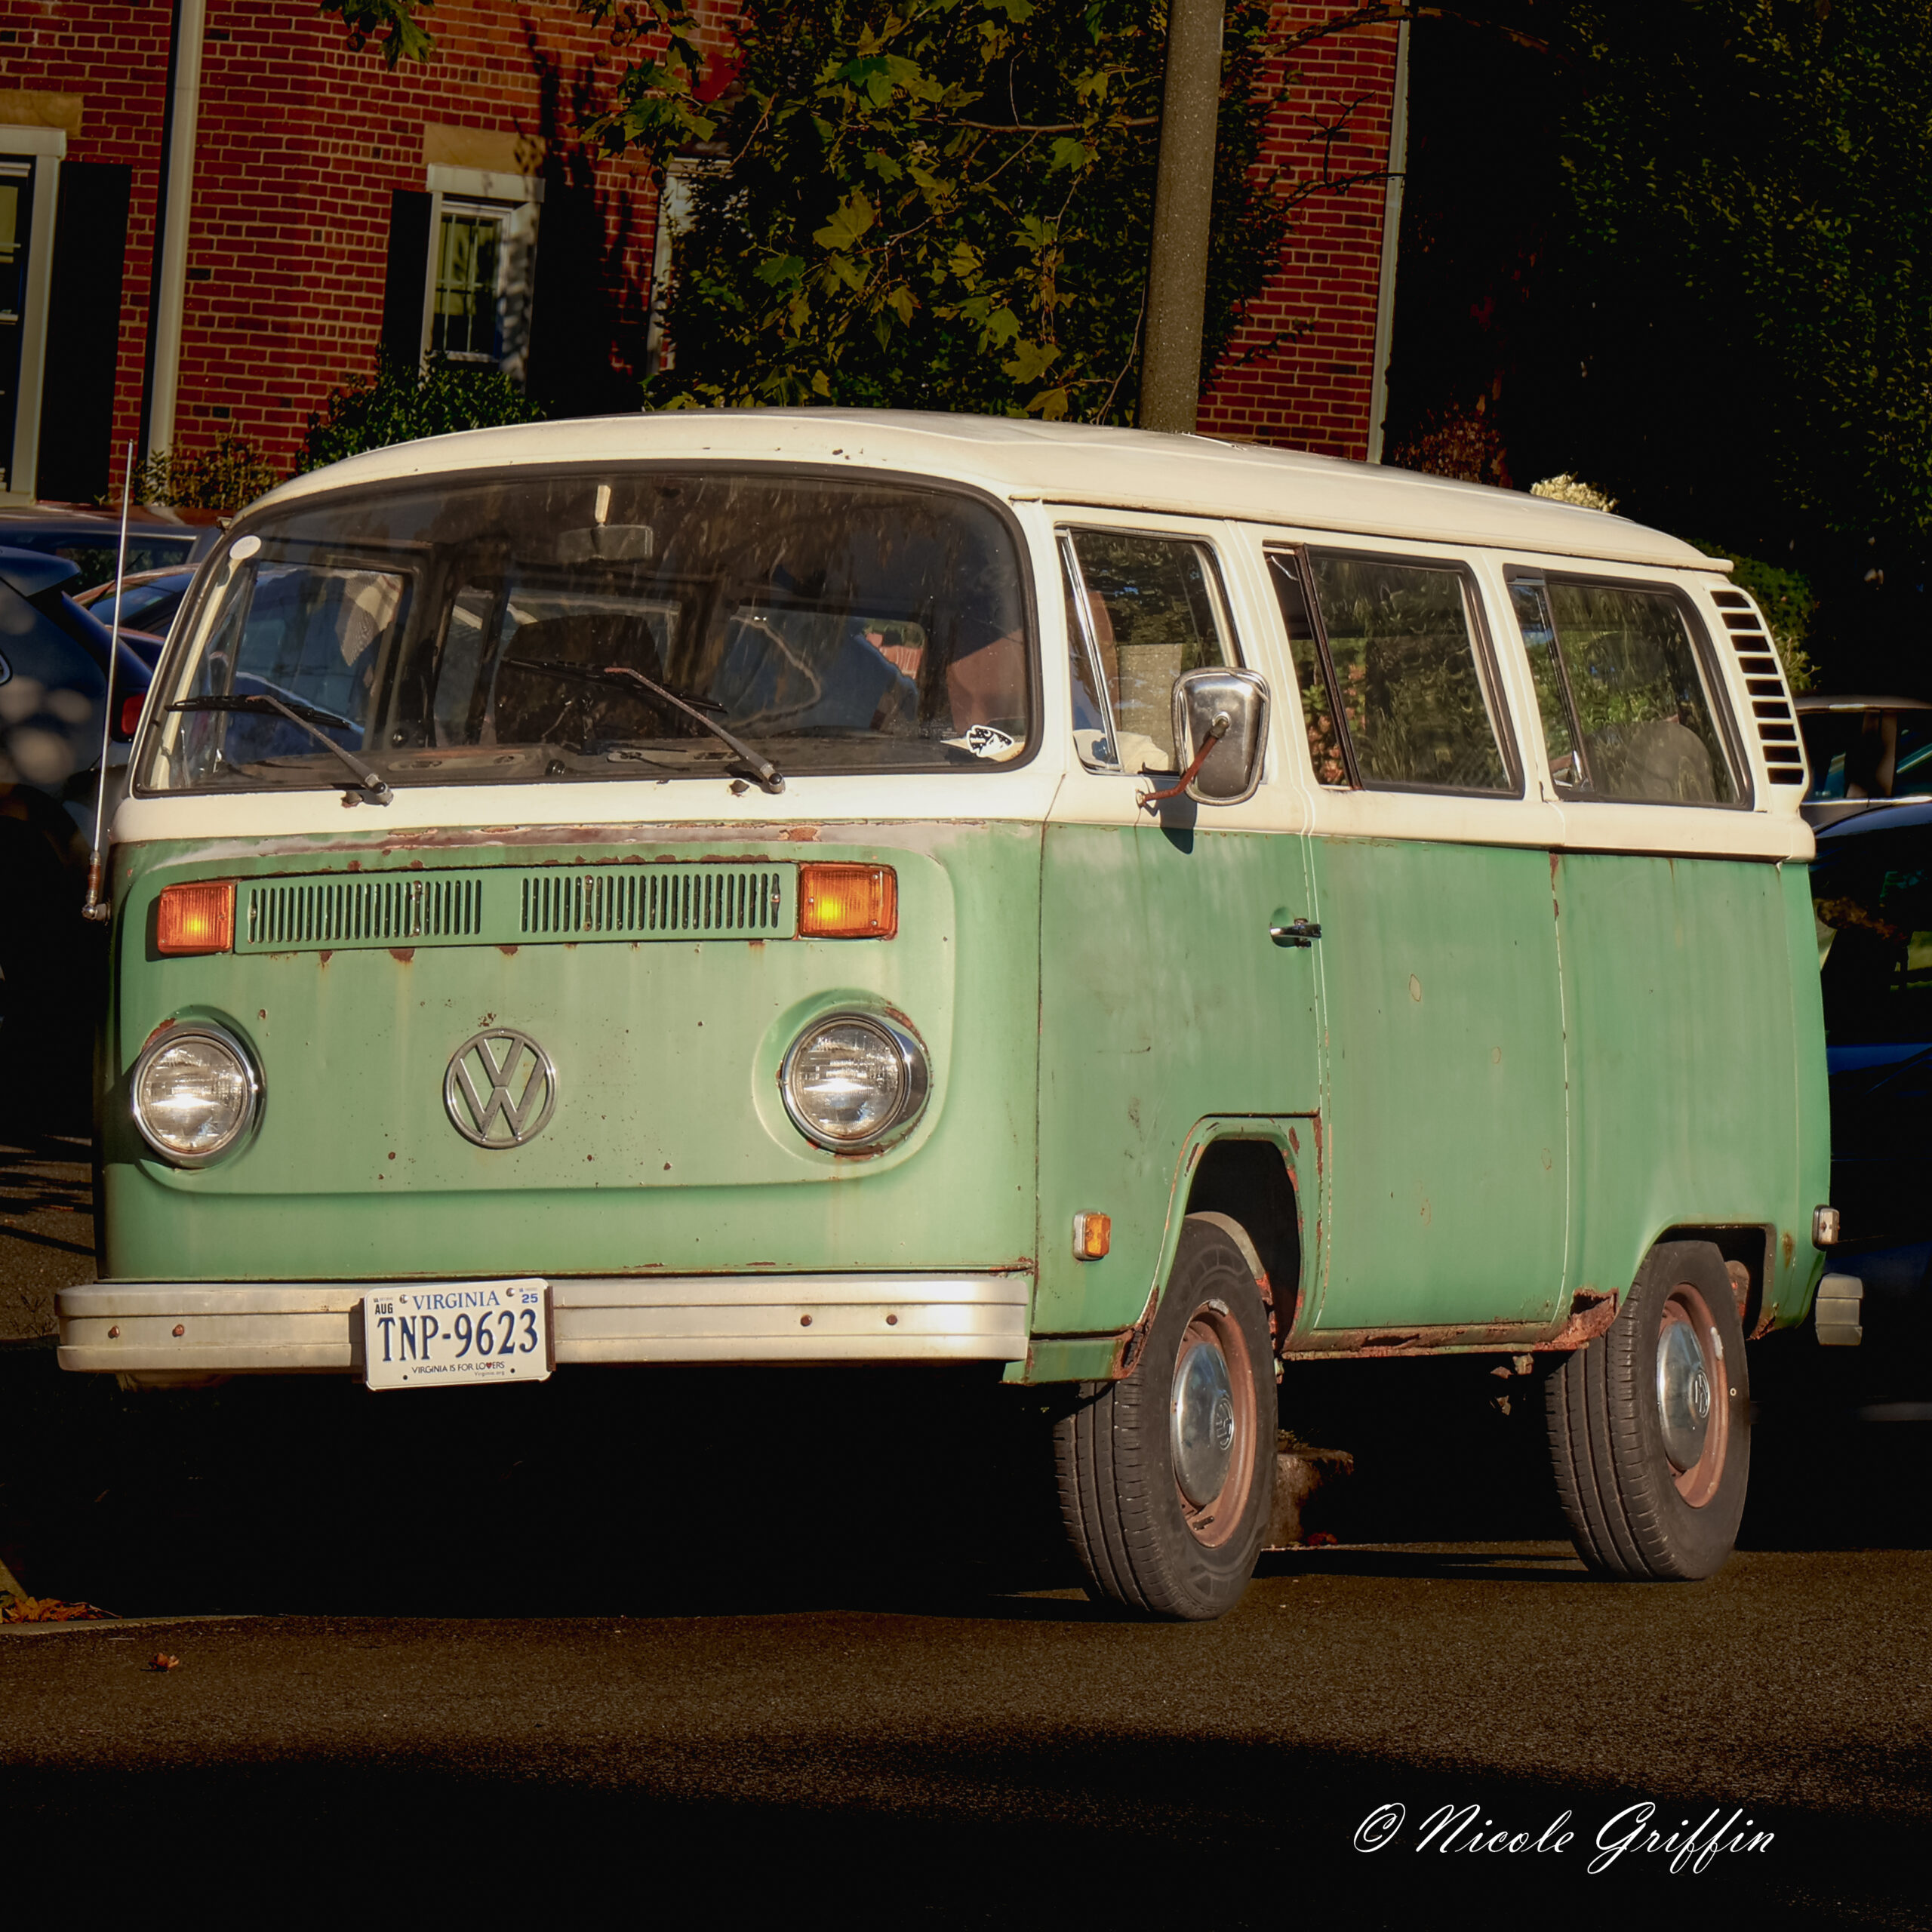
x=1167, y=1477
x=1650, y=1429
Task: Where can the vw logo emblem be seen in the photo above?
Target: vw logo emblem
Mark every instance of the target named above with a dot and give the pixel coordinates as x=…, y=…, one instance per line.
x=501, y=1089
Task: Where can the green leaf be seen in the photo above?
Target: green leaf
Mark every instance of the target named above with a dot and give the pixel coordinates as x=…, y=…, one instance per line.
x=851, y=218
x=780, y=269
x=1030, y=361
x=1067, y=151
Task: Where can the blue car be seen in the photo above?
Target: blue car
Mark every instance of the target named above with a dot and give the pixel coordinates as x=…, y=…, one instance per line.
x=53, y=688
x=1872, y=893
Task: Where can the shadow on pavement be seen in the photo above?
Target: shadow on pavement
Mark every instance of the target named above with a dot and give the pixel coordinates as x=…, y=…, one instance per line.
x=705, y=1491
x=959, y=1828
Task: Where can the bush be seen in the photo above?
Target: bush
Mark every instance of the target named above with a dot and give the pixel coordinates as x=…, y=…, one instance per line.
x=1568, y=489
x=399, y=405
x=227, y=478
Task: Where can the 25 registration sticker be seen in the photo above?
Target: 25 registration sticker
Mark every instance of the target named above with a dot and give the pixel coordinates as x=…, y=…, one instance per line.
x=437, y=1334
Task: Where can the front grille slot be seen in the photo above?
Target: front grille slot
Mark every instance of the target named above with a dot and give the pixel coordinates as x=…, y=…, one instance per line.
x=517, y=905
x=664, y=903
x=361, y=912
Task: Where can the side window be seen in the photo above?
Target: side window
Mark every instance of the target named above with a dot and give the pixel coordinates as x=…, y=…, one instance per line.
x=1629, y=713
x=1393, y=684
x=1142, y=609
x=1325, y=745
x=1531, y=605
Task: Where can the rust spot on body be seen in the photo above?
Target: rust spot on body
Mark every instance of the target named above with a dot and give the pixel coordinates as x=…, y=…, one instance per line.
x=1591, y=1312
x=508, y=952
x=402, y=955
x=1788, y=1247
x=800, y=835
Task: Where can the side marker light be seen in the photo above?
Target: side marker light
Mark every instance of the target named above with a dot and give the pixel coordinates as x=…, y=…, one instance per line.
x=848, y=902
x=195, y=918
x=1092, y=1236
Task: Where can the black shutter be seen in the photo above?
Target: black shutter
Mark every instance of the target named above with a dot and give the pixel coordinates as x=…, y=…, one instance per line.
x=403, y=281
x=76, y=459
x=580, y=341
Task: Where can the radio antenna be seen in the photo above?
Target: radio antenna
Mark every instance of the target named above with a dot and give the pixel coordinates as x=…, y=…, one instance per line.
x=100, y=901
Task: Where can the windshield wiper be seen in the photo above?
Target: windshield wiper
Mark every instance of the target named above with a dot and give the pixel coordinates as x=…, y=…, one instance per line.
x=375, y=788
x=623, y=676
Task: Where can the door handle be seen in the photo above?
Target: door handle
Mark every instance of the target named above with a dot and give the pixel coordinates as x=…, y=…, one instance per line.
x=1297, y=932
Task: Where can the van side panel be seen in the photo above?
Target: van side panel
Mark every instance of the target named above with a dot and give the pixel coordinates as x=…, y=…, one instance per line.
x=1445, y=1098
x=1687, y=1054
x=1162, y=1000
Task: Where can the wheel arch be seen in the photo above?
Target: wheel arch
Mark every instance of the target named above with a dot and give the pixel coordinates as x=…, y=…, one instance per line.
x=1243, y=1171
x=1750, y=1251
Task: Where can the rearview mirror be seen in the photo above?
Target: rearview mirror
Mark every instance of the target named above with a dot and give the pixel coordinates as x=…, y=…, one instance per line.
x=1231, y=769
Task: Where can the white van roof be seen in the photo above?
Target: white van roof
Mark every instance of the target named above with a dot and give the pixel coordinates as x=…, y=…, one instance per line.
x=1062, y=462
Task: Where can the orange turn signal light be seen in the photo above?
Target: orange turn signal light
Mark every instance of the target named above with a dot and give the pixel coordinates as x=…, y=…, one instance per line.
x=1092, y=1236
x=848, y=902
x=196, y=918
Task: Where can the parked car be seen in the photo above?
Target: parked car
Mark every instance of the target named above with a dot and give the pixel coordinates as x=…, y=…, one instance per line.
x=91, y=541
x=149, y=600
x=1864, y=752
x=53, y=683
x=1872, y=891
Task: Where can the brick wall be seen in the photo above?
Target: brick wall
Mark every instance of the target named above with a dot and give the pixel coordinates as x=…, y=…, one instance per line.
x=302, y=141
x=1299, y=370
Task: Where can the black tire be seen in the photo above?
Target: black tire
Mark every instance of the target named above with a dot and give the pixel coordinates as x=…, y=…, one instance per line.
x=1143, y=1541
x=1652, y=1495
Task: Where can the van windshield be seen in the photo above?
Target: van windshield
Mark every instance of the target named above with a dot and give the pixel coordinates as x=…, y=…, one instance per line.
x=514, y=629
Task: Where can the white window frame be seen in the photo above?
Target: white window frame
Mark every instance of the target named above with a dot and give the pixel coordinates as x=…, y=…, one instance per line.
x=518, y=199
x=681, y=173
x=46, y=148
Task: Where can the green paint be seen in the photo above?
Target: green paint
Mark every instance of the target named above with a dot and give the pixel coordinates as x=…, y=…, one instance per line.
x=1526, y=1073
x=1162, y=1000
x=1443, y=1089
x=1696, y=1057
x=669, y=1149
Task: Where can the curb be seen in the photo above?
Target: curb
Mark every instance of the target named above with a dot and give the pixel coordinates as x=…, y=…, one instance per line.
x=80, y=1625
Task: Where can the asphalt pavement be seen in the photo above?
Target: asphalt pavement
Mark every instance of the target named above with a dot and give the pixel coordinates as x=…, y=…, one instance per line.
x=745, y=1645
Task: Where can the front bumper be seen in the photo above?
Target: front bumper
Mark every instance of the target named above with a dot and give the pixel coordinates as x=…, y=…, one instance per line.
x=197, y=1328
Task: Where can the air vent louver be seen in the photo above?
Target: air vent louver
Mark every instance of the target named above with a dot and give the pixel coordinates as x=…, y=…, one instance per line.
x=661, y=903
x=1764, y=679
x=404, y=911
x=516, y=906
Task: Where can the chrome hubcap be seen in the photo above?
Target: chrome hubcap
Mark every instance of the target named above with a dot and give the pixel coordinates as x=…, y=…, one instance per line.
x=1683, y=1393
x=1203, y=1421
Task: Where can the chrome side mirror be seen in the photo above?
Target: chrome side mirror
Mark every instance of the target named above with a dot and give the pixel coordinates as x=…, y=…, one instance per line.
x=1235, y=702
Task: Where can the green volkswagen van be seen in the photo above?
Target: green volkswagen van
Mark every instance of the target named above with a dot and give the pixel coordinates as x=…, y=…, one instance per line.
x=1146, y=916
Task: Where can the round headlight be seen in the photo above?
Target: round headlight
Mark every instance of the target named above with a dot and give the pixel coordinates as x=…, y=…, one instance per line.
x=852, y=1079
x=196, y=1094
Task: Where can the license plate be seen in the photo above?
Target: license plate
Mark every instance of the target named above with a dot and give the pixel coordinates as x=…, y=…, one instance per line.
x=440, y=1334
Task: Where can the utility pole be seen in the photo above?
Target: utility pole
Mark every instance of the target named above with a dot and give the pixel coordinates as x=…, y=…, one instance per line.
x=1183, y=211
